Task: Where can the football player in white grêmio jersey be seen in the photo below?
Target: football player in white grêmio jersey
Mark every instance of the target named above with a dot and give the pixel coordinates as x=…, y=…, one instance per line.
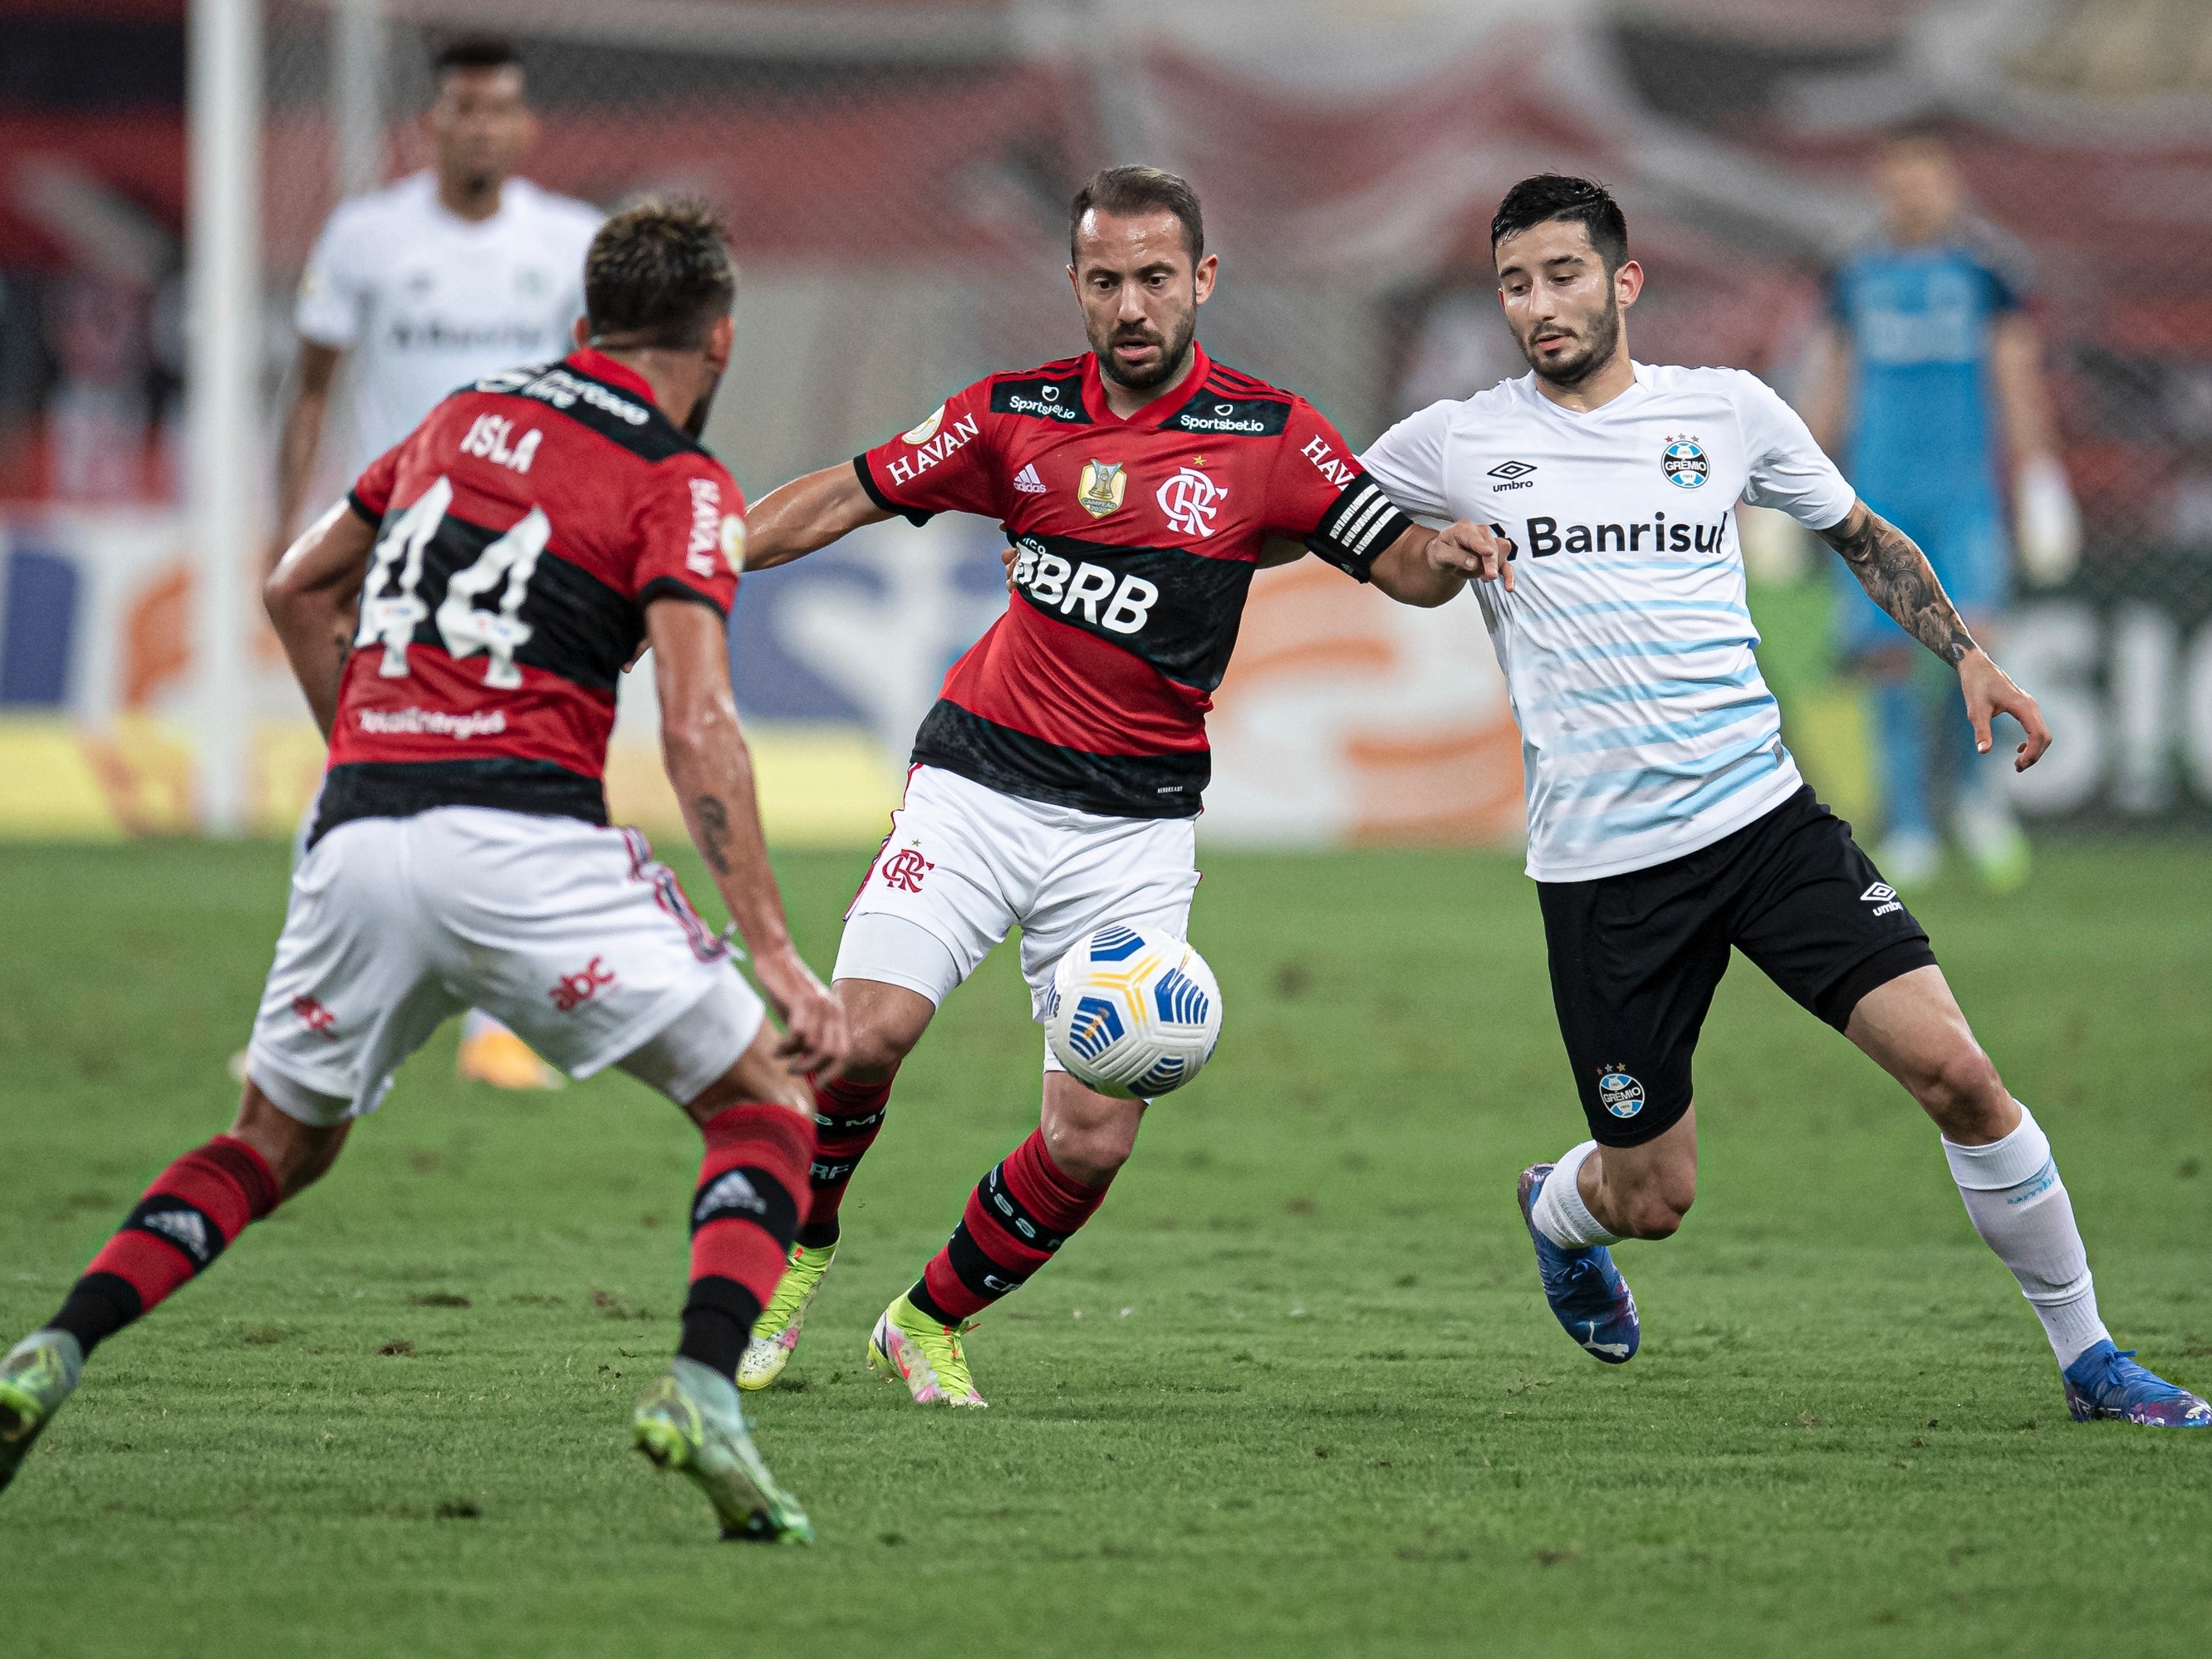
x=1666, y=823
x=452, y=274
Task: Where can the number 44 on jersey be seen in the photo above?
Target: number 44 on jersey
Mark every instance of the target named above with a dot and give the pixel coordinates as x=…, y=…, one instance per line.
x=391, y=611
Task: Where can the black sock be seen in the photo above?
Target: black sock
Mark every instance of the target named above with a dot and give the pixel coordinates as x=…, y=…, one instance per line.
x=921, y=1297
x=98, y=1306
x=818, y=1235
x=717, y=1319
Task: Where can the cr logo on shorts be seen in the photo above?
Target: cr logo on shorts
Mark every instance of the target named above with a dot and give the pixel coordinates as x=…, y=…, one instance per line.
x=1620, y=1093
x=581, y=986
x=316, y=1018
x=904, y=870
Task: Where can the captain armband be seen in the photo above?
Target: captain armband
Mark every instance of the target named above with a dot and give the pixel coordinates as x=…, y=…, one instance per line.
x=1357, y=528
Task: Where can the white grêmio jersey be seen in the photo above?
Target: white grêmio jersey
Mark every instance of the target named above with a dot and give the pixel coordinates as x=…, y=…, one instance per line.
x=1646, y=729
x=427, y=300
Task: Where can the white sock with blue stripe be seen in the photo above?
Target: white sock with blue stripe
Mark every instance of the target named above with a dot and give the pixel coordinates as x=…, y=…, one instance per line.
x=2019, y=1205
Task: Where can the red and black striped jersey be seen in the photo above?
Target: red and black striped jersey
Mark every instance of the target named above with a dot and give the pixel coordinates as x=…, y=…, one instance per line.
x=522, y=530
x=1135, y=542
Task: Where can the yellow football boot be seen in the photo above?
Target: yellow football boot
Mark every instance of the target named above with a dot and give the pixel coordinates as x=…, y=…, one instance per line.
x=909, y=1346
x=776, y=1336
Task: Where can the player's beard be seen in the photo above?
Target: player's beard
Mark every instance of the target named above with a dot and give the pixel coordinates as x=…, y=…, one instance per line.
x=1602, y=340
x=695, y=423
x=1164, y=367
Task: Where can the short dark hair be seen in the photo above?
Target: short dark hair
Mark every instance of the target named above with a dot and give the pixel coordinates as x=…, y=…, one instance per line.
x=1125, y=192
x=1548, y=196
x=658, y=275
x=1924, y=133
x=475, y=51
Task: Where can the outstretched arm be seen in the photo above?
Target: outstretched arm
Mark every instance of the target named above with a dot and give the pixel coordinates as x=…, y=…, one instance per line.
x=704, y=750
x=1426, y=567
x=793, y=519
x=1898, y=577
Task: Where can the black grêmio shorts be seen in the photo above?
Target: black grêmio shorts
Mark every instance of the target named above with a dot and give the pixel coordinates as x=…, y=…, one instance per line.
x=1636, y=958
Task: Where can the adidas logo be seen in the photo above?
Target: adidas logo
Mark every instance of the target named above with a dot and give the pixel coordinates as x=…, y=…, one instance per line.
x=185, y=1228
x=732, y=1192
x=1027, y=481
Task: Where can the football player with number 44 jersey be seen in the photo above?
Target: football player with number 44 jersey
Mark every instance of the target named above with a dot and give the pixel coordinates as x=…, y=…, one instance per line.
x=510, y=557
x=1056, y=782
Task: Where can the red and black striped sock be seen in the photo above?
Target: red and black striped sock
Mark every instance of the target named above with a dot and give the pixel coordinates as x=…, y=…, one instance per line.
x=847, y=1118
x=1018, y=1215
x=743, y=1218
x=187, y=1217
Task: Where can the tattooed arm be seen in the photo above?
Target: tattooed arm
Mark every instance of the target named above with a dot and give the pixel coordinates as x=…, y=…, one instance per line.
x=704, y=751
x=1898, y=577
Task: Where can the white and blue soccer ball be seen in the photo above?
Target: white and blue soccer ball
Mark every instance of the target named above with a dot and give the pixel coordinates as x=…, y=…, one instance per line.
x=1133, y=1012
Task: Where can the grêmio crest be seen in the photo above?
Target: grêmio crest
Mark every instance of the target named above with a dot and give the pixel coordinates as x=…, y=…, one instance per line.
x=1102, y=487
x=1683, y=460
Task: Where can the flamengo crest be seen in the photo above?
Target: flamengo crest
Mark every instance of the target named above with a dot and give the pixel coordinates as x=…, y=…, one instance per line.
x=904, y=870
x=1190, y=499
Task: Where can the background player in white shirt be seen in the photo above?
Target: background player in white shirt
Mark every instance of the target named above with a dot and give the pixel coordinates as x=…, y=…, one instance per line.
x=1666, y=823
x=449, y=275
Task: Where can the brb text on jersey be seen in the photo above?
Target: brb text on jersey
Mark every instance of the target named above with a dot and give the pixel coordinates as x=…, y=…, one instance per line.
x=1135, y=541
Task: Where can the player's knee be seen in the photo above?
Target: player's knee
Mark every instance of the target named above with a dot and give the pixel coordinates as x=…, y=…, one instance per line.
x=1088, y=1136
x=877, y=1050
x=1089, y=1153
x=298, y=1154
x=1962, y=1091
x=885, y=1022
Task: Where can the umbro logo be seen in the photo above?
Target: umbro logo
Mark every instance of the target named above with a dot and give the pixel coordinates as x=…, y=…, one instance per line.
x=1027, y=481
x=1511, y=469
x=1883, y=897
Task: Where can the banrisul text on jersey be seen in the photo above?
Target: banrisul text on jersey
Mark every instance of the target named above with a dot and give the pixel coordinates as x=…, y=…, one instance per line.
x=1646, y=729
x=1135, y=542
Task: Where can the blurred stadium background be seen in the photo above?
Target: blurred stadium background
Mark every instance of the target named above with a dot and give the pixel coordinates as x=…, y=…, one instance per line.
x=896, y=173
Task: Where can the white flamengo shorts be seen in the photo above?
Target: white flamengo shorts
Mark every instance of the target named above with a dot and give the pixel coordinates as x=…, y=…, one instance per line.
x=568, y=932
x=964, y=863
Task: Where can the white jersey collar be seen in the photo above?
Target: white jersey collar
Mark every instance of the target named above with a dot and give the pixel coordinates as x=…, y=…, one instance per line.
x=1629, y=398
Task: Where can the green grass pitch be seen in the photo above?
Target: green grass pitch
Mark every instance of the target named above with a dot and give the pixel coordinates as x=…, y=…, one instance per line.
x=1295, y=1392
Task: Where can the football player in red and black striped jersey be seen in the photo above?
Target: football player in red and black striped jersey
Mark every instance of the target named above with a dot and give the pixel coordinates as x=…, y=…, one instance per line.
x=1056, y=780
x=494, y=572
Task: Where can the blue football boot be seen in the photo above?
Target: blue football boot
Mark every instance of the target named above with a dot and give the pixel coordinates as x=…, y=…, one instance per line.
x=1590, y=1300
x=2106, y=1381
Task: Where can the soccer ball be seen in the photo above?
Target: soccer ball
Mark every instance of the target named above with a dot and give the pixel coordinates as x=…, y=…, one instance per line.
x=1133, y=1012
